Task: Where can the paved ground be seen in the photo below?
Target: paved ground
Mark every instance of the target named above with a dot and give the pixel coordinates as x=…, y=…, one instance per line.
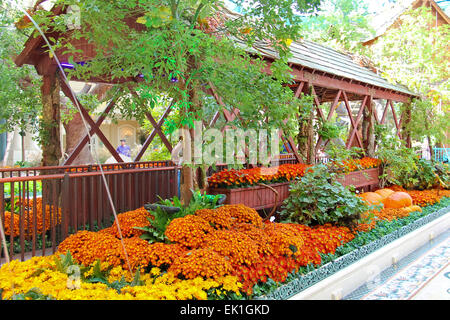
x=422, y=275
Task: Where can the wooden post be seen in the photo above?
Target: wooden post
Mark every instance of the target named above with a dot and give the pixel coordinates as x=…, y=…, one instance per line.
x=305, y=138
x=406, y=116
x=51, y=119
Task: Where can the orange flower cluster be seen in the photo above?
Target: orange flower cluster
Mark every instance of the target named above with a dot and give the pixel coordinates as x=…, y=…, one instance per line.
x=388, y=214
x=189, y=231
x=50, y=218
x=258, y=235
x=229, y=240
x=248, y=177
x=203, y=262
x=256, y=250
x=425, y=198
x=162, y=254
x=277, y=266
x=285, y=238
x=218, y=219
x=87, y=246
x=237, y=246
x=327, y=238
x=358, y=164
x=128, y=222
x=241, y=214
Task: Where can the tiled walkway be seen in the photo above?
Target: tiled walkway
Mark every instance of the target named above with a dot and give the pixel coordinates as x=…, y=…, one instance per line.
x=423, y=275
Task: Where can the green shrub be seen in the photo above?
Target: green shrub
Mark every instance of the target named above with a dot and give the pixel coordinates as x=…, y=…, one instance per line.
x=319, y=199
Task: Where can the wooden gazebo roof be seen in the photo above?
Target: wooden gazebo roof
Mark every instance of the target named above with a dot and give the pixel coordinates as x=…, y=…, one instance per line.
x=330, y=75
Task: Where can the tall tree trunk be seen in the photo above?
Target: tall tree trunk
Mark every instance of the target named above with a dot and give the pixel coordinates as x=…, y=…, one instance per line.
x=368, y=131
x=406, y=115
x=305, y=138
x=50, y=123
x=50, y=131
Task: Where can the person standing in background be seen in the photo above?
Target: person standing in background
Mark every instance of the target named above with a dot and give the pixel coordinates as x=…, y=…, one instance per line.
x=124, y=149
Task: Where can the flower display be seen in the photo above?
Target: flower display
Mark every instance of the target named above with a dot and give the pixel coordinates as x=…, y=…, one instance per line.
x=163, y=254
x=189, y=231
x=249, y=177
x=209, y=255
x=40, y=274
x=128, y=221
x=425, y=198
x=204, y=262
x=240, y=214
x=232, y=178
x=236, y=246
x=32, y=214
x=364, y=163
x=218, y=219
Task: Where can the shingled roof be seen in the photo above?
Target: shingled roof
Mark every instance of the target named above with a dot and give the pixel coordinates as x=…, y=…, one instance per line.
x=318, y=57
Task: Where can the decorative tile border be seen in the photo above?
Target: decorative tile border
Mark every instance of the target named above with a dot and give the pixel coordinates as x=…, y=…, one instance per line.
x=302, y=282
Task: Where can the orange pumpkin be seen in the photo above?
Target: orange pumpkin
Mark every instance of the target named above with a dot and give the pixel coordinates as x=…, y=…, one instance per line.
x=398, y=200
x=372, y=198
x=384, y=193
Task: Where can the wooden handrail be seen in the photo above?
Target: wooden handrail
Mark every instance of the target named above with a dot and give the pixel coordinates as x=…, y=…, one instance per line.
x=82, y=174
x=82, y=166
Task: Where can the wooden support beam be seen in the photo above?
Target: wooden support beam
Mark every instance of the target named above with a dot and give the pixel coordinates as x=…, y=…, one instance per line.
x=352, y=121
x=157, y=128
x=383, y=118
x=394, y=115
x=85, y=139
x=331, y=82
x=90, y=122
x=154, y=132
x=330, y=114
x=356, y=123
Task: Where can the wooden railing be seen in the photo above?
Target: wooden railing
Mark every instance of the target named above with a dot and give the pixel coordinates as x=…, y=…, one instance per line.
x=36, y=221
x=32, y=171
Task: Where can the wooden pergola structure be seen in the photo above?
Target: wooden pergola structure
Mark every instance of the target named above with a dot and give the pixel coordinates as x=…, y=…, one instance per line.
x=330, y=76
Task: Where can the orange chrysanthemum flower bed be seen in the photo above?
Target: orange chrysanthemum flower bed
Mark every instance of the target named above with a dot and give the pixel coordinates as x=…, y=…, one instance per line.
x=230, y=240
x=423, y=198
x=189, y=231
x=32, y=215
x=128, y=222
x=248, y=177
x=358, y=164
x=204, y=262
x=286, y=172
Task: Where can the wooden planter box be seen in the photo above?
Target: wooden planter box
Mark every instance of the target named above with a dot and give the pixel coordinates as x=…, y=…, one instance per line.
x=366, y=179
x=257, y=197
x=260, y=197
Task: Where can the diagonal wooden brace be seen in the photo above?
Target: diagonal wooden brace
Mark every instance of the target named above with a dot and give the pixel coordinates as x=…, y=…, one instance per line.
x=94, y=127
x=356, y=123
x=153, y=134
x=352, y=121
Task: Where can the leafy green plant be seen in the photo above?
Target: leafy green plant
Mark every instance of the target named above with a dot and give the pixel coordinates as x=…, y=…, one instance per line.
x=398, y=163
x=328, y=130
x=319, y=199
x=161, y=218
